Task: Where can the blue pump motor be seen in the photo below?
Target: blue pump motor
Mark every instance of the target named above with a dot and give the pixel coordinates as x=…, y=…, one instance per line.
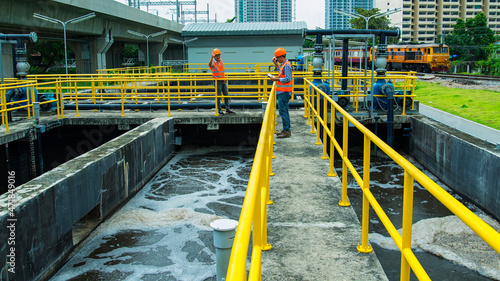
x=379, y=88
x=300, y=63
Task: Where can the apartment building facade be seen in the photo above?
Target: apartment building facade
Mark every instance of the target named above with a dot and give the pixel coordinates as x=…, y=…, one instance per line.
x=335, y=20
x=264, y=10
x=427, y=21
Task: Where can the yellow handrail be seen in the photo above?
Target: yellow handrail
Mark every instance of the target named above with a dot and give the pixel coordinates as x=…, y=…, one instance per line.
x=411, y=174
x=253, y=217
x=124, y=85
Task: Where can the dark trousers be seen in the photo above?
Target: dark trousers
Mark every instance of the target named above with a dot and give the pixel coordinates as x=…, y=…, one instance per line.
x=282, y=101
x=222, y=92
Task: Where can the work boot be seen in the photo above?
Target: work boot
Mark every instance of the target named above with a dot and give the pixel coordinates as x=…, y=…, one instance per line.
x=284, y=134
x=230, y=112
x=280, y=132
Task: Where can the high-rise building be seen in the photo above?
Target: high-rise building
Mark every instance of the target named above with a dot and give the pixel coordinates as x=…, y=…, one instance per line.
x=427, y=21
x=335, y=20
x=264, y=10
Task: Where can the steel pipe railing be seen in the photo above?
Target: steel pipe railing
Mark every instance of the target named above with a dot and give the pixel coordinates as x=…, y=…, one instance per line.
x=411, y=174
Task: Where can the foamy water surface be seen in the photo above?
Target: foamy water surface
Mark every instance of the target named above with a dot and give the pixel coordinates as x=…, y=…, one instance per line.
x=164, y=232
x=435, y=230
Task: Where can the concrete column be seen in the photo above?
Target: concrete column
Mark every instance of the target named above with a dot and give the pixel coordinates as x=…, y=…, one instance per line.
x=7, y=60
x=156, y=51
x=141, y=55
x=114, y=55
x=82, y=55
x=101, y=46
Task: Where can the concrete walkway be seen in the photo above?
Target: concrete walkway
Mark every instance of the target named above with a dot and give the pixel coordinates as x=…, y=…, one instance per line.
x=313, y=238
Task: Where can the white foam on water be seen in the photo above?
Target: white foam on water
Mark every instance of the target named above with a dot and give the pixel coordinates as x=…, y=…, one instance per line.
x=147, y=219
x=451, y=239
x=173, y=225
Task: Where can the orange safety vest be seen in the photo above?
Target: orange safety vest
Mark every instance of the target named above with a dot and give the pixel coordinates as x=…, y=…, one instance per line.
x=217, y=69
x=284, y=87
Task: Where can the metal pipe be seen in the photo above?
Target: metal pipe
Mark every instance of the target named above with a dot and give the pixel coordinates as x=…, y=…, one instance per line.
x=390, y=116
x=345, y=58
x=117, y=106
x=392, y=33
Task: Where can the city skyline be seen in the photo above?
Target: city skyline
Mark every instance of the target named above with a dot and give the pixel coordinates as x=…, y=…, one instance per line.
x=312, y=11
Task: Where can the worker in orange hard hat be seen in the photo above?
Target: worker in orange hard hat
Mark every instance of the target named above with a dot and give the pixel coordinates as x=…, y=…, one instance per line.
x=284, y=89
x=217, y=67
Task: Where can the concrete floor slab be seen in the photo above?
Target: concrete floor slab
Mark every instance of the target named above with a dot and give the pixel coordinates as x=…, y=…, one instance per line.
x=313, y=238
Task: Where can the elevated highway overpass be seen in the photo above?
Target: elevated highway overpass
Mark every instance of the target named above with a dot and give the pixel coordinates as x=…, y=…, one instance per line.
x=97, y=42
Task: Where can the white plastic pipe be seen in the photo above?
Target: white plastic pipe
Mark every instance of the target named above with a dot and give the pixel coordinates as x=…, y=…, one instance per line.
x=224, y=232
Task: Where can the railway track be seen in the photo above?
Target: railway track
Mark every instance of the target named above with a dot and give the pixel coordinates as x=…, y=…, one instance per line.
x=464, y=76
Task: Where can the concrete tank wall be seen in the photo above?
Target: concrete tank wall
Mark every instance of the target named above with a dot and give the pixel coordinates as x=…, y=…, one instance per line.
x=44, y=210
x=468, y=165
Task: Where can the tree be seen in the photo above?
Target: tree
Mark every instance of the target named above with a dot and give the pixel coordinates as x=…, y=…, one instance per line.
x=379, y=23
x=470, y=39
x=51, y=52
x=309, y=42
x=491, y=66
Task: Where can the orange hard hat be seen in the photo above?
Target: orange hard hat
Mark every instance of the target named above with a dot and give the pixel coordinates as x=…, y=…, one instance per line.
x=279, y=52
x=216, y=52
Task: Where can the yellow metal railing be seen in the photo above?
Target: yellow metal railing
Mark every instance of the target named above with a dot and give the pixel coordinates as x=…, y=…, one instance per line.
x=253, y=216
x=29, y=87
x=127, y=86
x=316, y=104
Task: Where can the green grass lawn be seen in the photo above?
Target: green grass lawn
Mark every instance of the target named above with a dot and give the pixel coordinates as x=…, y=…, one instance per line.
x=481, y=106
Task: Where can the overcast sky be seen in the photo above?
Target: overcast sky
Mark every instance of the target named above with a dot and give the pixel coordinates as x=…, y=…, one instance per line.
x=310, y=11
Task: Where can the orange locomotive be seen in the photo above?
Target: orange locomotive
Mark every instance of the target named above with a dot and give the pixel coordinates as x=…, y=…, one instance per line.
x=416, y=57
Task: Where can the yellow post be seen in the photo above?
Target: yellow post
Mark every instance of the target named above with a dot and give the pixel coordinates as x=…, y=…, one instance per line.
x=407, y=224
x=257, y=215
x=325, y=125
x=344, y=201
x=93, y=90
x=168, y=98
x=5, y=119
x=306, y=96
x=216, y=103
x=76, y=100
x=332, y=173
x=29, y=101
x=122, y=100
x=60, y=98
x=365, y=247
x=318, y=142
x=264, y=182
x=270, y=152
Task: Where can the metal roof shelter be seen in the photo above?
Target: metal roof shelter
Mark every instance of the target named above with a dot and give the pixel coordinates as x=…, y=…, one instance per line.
x=243, y=42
